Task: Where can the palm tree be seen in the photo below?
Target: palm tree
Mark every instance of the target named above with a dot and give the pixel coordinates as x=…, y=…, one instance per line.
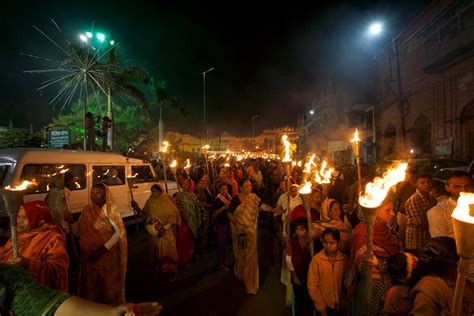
x=163, y=99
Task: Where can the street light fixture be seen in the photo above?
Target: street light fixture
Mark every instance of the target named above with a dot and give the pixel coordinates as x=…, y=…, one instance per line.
x=375, y=28
x=204, y=98
x=311, y=112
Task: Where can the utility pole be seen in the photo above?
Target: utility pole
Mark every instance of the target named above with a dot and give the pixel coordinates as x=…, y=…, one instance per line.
x=253, y=130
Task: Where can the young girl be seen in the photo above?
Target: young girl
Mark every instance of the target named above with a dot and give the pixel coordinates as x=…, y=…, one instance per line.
x=326, y=273
x=298, y=258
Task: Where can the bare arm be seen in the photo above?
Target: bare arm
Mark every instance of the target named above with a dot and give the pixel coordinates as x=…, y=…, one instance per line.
x=76, y=306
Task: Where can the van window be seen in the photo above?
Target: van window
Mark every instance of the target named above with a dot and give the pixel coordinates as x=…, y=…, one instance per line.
x=109, y=175
x=144, y=174
x=41, y=175
x=3, y=173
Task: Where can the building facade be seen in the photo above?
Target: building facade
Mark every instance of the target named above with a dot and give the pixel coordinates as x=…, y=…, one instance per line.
x=425, y=85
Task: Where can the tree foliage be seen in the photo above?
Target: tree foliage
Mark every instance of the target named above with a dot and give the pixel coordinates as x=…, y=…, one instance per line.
x=129, y=122
x=18, y=137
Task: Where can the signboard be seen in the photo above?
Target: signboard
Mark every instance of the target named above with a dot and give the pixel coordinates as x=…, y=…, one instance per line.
x=58, y=137
x=444, y=146
x=337, y=146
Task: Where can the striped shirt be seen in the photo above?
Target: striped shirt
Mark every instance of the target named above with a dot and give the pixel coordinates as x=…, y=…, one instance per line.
x=439, y=219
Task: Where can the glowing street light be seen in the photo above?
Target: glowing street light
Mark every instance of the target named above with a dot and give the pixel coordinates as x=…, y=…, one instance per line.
x=83, y=38
x=311, y=112
x=375, y=28
x=100, y=37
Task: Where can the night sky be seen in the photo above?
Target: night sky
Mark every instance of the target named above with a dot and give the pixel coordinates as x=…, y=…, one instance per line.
x=270, y=59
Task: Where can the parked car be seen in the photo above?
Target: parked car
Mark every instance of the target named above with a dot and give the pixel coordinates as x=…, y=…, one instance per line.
x=443, y=173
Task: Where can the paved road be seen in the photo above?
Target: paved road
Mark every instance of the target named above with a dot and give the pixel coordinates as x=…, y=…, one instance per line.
x=201, y=289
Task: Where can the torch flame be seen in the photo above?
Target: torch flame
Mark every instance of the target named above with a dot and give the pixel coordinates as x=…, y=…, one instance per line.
x=206, y=147
x=309, y=164
x=20, y=187
x=287, y=145
x=64, y=170
x=376, y=192
x=306, y=189
x=164, y=147
x=324, y=174
x=188, y=164
x=464, y=210
x=356, y=137
x=173, y=164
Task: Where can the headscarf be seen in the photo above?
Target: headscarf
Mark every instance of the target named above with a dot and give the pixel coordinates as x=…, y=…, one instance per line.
x=192, y=185
x=325, y=210
x=38, y=213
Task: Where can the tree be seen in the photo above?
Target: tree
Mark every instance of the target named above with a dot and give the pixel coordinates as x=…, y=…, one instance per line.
x=130, y=122
x=18, y=137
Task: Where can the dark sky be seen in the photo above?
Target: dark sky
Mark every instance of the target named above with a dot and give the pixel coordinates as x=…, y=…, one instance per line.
x=270, y=59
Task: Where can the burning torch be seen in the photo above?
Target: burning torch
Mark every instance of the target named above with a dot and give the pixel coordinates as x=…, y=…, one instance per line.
x=164, y=150
x=463, y=224
x=355, y=143
x=173, y=166
x=13, y=197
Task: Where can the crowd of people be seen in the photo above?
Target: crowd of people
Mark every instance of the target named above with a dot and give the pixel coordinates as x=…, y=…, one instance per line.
x=324, y=258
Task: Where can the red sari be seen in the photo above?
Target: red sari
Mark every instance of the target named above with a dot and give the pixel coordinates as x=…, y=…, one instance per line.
x=102, y=281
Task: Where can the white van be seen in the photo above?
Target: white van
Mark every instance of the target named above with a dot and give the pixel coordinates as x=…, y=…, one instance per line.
x=84, y=169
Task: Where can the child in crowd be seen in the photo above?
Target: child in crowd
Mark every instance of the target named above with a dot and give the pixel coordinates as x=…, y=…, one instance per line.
x=298, y=258
x=326, y=273
x=402, y=270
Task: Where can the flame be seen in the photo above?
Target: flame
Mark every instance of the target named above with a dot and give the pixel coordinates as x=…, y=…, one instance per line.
x=47, y=187
x=287, y=145
x=464, y=210
x=133, y=177
x=376, y=192
x=206, y=147
x=324, y=174
x=188, y=164
x=293, y=163
x=77, y=185
x=64, y=170
x=309, y=164
x=164, y=147
x=173, y=164
x=20, y=187
x=356, y=137
x=306, y=189
x=60, y=167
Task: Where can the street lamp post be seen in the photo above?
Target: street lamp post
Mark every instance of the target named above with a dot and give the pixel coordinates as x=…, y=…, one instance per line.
x=204, y=99
x=253, y=130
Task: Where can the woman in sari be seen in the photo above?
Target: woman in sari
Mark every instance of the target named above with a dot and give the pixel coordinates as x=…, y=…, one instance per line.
x=188, y=207
x=243, y=215
x=104, y=250
x=41, y=247
x=367, y=297
x=331, y=217
x=162, y=219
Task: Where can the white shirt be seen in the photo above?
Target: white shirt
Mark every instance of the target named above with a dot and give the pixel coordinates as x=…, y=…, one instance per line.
x=439, y=220
x=283, y=202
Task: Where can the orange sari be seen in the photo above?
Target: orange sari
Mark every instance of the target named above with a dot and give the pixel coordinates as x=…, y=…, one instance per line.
x=102, y=281
x=244, y=242
x=45, y=248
